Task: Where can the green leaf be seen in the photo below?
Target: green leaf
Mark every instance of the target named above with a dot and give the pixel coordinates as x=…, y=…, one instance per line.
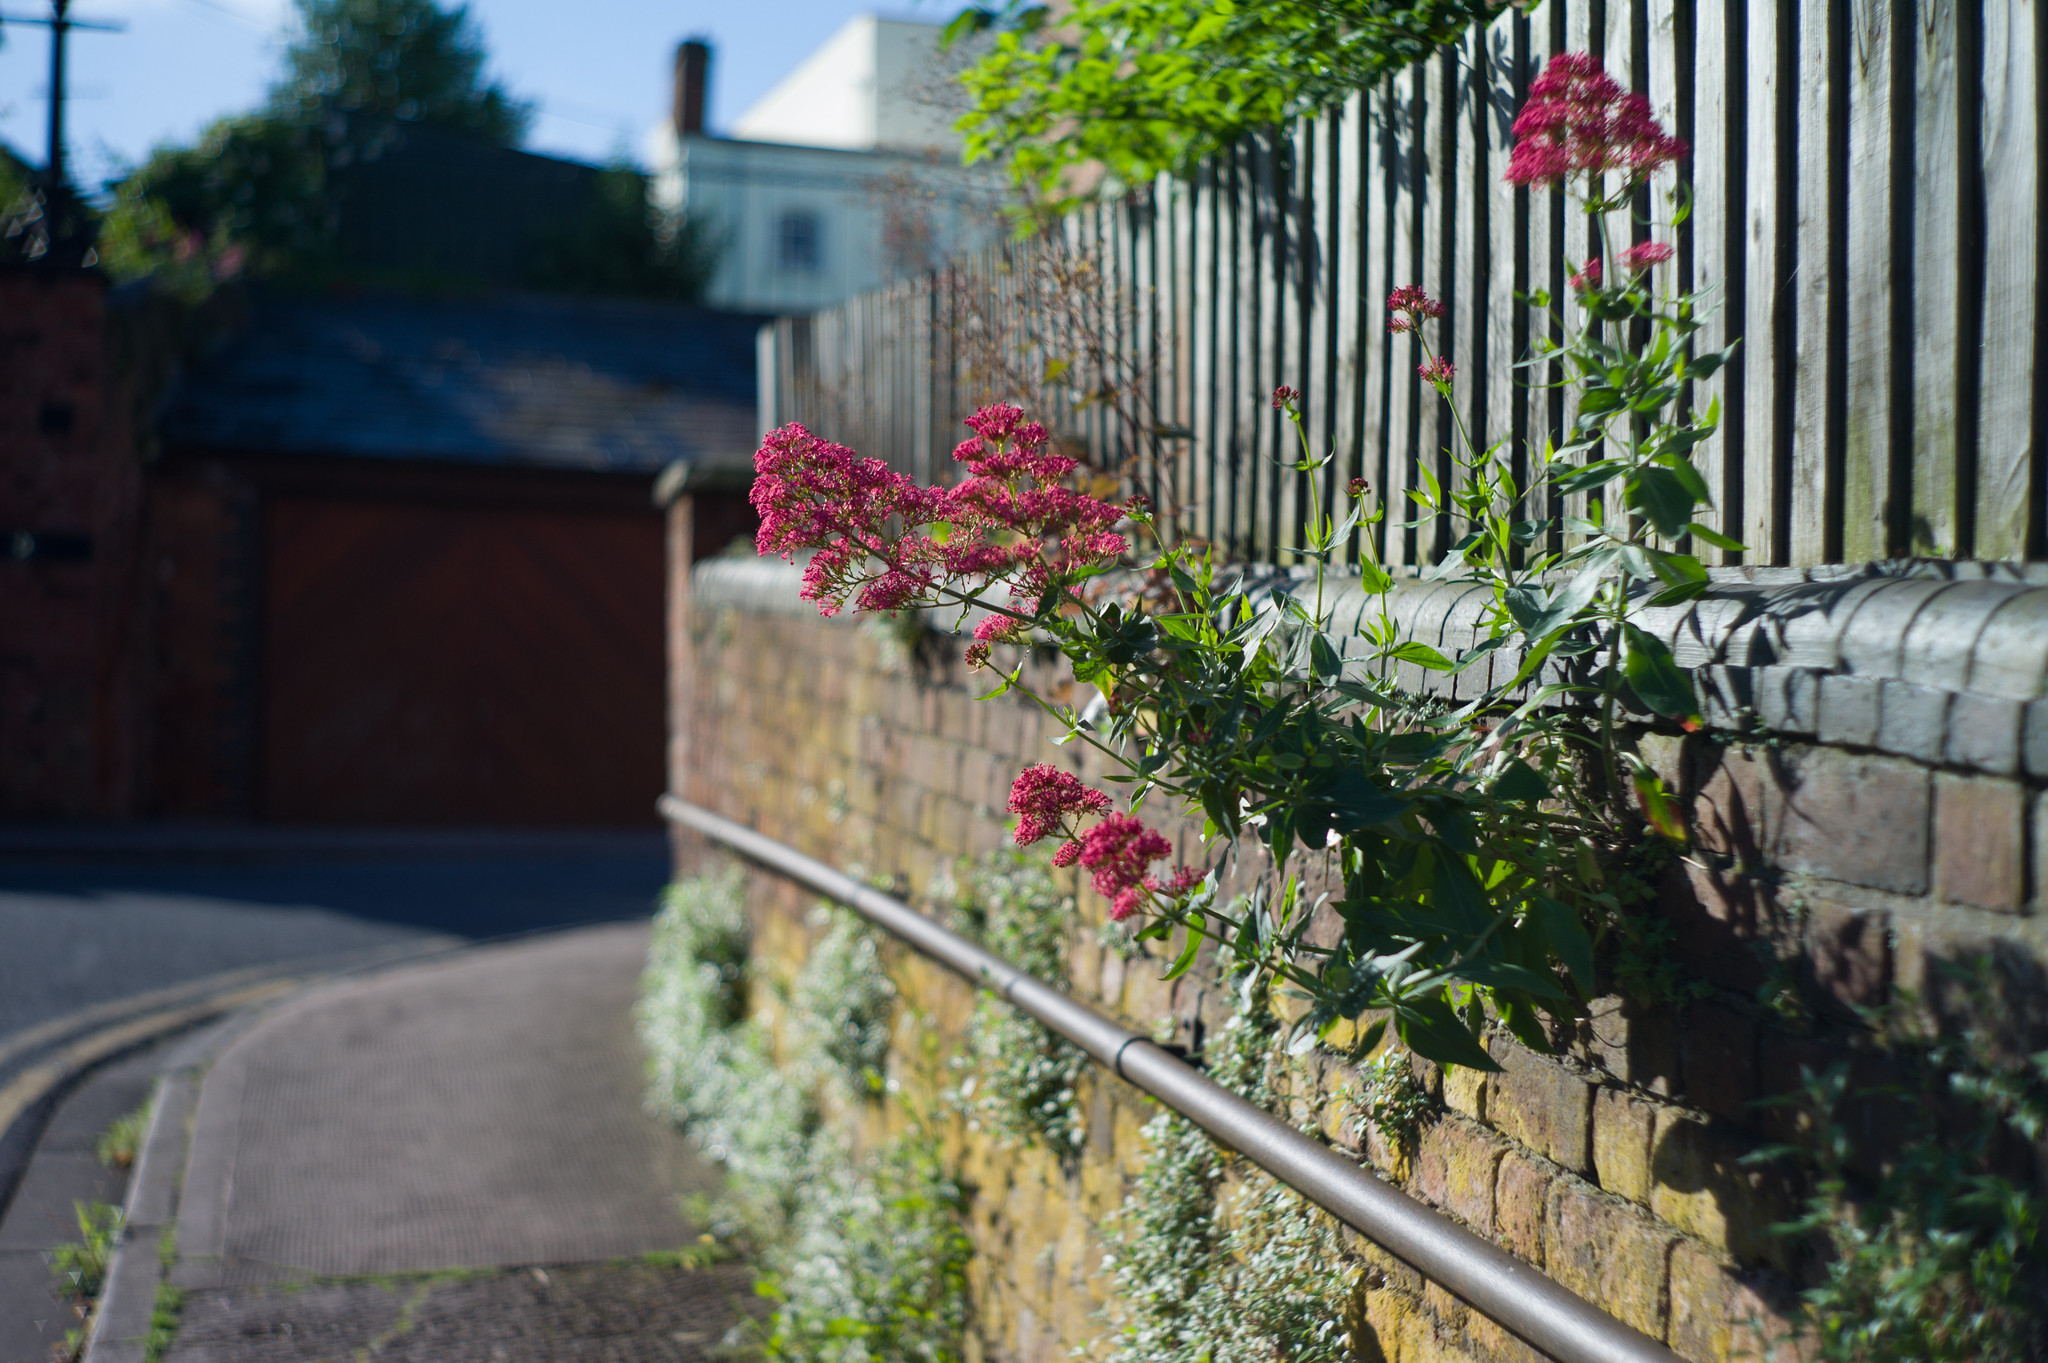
x=1688, y=476
x=1507, y=975
x=1431, y=1030
x=1657, y=807
x=966, y=23
x=1520, y=783
x=1422, y=655
x=1713, y=537
x=1659, y=682
x=1661, y=495
x=1568, y=938
x=1597, y=474
x=1186, y=959
x=1322, y=657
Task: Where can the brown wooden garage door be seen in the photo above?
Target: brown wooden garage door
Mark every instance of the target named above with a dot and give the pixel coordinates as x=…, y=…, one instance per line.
x=436, y=664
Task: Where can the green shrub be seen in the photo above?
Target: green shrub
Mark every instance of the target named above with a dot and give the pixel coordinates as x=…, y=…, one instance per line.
x=865, y=1258
x=712, y=1066
x=1251, y=1276
x=875, y=1270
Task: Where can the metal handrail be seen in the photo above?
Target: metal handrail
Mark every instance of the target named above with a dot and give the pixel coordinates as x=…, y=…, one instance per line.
x=1543, y=1314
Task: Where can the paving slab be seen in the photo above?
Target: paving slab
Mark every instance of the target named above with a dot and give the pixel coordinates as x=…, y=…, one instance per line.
x=617, y=1313
x=480, y=1111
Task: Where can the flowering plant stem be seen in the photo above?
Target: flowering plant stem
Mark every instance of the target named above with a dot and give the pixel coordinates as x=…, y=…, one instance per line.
x=1450, y=856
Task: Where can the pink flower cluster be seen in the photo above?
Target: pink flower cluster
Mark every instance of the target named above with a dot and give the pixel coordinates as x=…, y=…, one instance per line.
x=1008, y=520
x=1119, y=850
x=1635, y=260
x=813, y=494
x=1643, y=255
x=1579, y=121
x=1045, y=800
x=1438, y=370
x=1409, y=306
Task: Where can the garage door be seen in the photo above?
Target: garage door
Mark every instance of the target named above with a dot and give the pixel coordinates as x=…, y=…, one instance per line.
x=429, y=664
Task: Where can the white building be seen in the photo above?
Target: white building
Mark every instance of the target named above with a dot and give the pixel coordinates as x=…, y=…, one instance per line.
x=844, y=176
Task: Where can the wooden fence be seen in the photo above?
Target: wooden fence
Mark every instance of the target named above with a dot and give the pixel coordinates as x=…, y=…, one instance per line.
x=1866, y=204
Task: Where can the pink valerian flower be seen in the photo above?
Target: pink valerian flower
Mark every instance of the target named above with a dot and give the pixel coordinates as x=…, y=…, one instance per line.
x=1588, y=277
x=1118, y=850
x=977, y=655
x=1579, y=121
x=1357, y=488
x=1409, y=306
x=1643, y=255
x=1008, y=522
x=1066, y=854
x=1284, y=398
x=1437, y=371
x=812, y=494
x=1000, y=629
x=1045, y=799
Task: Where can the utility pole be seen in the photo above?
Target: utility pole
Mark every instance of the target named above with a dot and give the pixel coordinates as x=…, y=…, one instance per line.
x=59, y=23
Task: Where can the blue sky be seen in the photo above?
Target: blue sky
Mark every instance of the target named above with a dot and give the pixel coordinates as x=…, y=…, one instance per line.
x=599, y=68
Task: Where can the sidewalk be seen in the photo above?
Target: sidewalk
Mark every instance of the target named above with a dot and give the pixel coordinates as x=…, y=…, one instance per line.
x=446, y=1161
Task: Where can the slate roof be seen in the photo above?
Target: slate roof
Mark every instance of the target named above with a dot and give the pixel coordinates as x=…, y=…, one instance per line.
x=526, y=380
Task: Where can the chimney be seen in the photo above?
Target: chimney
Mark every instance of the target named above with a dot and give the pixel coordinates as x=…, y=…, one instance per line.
x=693, y=75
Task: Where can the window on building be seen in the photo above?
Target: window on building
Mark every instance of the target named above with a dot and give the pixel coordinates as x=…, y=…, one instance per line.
x=798, y=243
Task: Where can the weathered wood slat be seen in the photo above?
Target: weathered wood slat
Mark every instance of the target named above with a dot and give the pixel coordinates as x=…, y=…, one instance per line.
x=1349, y=305
x=1767, y=337
x=1377, y=146
x=1936, y=304
x=1466, y=248
x=1495, y=66
x=2009, y=426
x=1406, y=162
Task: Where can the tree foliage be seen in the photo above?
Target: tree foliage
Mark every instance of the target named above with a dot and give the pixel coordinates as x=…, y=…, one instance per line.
x=1142, y=87
x=408, y=60
x=268, y=193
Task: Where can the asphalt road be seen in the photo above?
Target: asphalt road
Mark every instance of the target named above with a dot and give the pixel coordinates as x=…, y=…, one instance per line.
x=89, y=919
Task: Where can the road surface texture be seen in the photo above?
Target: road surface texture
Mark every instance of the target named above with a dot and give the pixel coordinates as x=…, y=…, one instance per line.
x=92, y=915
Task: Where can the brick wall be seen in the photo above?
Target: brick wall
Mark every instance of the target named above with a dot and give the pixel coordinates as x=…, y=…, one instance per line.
x=69, y=497
x=1834, y=872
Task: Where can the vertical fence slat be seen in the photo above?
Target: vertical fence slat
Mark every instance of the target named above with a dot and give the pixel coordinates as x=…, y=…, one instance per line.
x=1870, y=277
x=1348, y=304
x=1506, y=233
x=2007, y=428
x=1404, y=438
x=1379, y=173
x=1716, y=253
x=1204, y=448
x=1936, y=213
x=1317, y=268
x=1466, y=246
x=1822, y=157
x=1770, y=283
